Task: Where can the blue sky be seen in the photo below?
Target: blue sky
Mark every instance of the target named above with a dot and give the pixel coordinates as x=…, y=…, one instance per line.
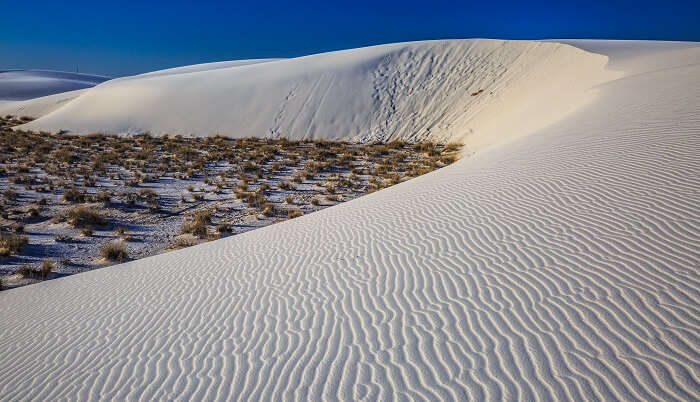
x=123, y=38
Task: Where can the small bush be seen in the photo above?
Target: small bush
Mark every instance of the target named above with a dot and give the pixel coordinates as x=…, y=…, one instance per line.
x=85, y=217
x=12, y=244
x=183, y=242
x=62, y=238
x=223, y=228
x=269, y=209
x=114, y=251
x=293, y=213
x=315, y=201
x=198, y=226
x=11, y=194
x=74, y=195
x=45, y=269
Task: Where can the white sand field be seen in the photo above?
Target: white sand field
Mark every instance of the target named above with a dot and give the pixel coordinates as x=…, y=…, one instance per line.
x=558, y=260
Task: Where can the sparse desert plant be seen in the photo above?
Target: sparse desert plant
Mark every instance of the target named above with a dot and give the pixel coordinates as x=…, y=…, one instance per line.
x=25, y=271
x=198, y=225
x=11, y=194
x=289, y=200
x=62, y=238
x=293, y=213
x=33, y=211
x=114, y=251
x=269, y=209
x=223, y=228
x=74, y=195
x=45, y=269
x=315, y=201
x=81, y=216
x=285, y=185
x=86, y=232
x=183, y=242
x=104, y=196
x=12, y=244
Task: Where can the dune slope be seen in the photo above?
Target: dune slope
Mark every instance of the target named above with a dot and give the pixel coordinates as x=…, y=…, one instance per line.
x=561, y=265
x=442, y=90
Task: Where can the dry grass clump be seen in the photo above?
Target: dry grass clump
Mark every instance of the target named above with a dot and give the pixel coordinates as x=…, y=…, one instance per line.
x=84, y=217
x=224, y=228
x=198, y=225
x=10, y=194
x=12, y=244
x=74, y=195
x=43, y=271
x=114, y=251
x=293, y=213
x=183, y=242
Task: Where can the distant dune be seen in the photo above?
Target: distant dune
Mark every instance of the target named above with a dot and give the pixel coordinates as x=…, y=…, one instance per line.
x=558, y=262
x=17, y=85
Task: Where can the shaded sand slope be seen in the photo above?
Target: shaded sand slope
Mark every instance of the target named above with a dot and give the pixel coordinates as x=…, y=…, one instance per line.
x=443, y=90
x=562, y=265
x=26, y=84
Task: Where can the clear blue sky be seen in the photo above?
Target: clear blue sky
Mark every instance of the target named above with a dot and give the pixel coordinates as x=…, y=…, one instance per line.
x=121, y=39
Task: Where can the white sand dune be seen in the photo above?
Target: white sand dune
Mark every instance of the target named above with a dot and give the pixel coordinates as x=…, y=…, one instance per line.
x=558, y=265
x=27, y=84
x=414, y=90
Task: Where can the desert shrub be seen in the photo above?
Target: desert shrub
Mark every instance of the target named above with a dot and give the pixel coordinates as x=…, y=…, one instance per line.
x=104, y=196
x=194, y=227
x=11, y=194
x=62, y=238
x=114, y=251
x=182, y=242
x=293, y=213
x=315, y=201
x=198, y=225
x=269, y=209
x=74, y=195
x=285, y=185
x=33, y=211
x=45, y=269
x=12, y=244
x=84, y=217
x=223, y=228
x=25, y=271
x=148, y=194
x=448, y=159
